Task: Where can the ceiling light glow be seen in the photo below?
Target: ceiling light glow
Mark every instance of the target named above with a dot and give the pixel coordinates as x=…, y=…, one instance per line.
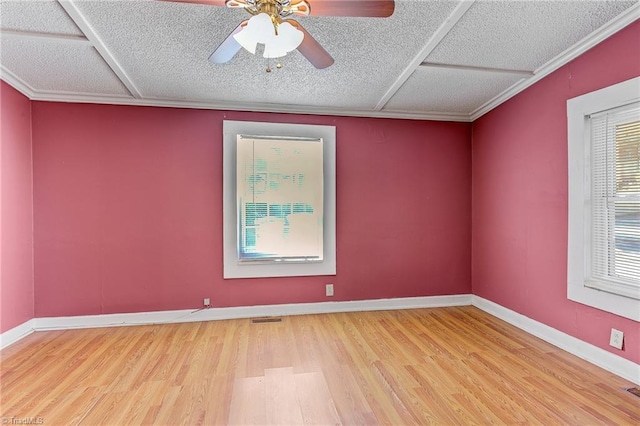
x=261, y=29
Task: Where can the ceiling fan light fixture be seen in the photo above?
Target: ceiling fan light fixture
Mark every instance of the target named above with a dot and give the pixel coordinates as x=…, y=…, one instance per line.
x=261, y=29
x=246, y=41
x=287, y=40
x=254, y=32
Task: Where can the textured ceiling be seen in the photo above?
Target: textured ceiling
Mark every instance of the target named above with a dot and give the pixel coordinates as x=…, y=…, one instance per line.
x=46, y=17
x=451, y=60
x=453, y=90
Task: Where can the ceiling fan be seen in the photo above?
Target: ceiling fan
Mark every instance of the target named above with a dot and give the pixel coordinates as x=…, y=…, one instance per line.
x=271, y=25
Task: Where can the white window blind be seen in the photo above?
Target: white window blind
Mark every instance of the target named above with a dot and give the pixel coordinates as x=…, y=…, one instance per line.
x=614, y=223
x=279, y=198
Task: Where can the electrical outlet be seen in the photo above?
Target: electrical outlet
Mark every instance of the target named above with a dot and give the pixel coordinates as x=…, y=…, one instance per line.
x=617, y=338
x=329, y=289
x=207, y=302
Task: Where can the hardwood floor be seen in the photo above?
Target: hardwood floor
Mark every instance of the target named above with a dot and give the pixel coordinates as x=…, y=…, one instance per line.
x=441, y=366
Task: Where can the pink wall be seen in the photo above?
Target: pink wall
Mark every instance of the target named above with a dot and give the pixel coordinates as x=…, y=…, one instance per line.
x=520, y=197
x=16, y=208
x=129, y=215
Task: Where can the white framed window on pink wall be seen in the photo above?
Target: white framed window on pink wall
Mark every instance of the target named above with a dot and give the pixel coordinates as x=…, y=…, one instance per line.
x=604, y=199
x=279, y=199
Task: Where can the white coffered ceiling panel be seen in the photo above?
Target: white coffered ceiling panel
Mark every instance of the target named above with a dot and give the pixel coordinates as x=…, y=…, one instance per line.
x=165, y=49
x=522, y=35
x=449, y=90
x=59, y=66
x=39, y=16
x=151, y=52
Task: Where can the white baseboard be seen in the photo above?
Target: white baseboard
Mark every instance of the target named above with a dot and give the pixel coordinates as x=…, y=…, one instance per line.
x=617, y=365
x=9, y=337
x=191, y=315
x=600, y=357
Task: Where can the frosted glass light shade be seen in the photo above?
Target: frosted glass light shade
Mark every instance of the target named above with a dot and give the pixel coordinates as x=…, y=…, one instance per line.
x=260, y=29
x=288, y=39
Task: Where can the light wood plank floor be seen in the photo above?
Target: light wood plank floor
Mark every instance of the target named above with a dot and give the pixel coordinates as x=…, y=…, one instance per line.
x=425, y=366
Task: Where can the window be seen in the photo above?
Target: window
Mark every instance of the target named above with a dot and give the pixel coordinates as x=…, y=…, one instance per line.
x=604, y=199
x=615, y=201
x=279, y=199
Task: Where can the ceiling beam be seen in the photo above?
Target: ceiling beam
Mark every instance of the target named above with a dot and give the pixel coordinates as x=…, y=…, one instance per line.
x=437, y=37
x=480, y=69
x=45, y=36
x=81, y=21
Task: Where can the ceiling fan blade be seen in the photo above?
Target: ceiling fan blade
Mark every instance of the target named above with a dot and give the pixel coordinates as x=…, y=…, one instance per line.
x=206, y=2
x=311, y=49
x=228, y=48
x=353, y=8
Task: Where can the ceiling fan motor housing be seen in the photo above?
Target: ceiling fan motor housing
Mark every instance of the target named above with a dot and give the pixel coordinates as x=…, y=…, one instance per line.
x=273, y=8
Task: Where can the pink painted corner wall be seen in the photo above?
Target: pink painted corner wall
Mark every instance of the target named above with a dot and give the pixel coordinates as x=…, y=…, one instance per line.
x=16, y=210
x=128, y=204
x=520, y=203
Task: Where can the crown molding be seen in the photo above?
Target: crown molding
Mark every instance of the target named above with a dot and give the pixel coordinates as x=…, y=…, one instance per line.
x=69, y=97
x=16, y=82
x=621, y=21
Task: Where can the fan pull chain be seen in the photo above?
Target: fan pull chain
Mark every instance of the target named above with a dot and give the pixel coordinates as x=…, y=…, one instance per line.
x=278, y=64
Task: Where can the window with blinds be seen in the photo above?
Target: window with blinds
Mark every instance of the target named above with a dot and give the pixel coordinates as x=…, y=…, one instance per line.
x=279, y=198
x=614, y=223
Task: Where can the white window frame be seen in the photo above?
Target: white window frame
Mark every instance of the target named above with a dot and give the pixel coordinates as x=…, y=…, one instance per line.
x=233, y=268
x=578, y=111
